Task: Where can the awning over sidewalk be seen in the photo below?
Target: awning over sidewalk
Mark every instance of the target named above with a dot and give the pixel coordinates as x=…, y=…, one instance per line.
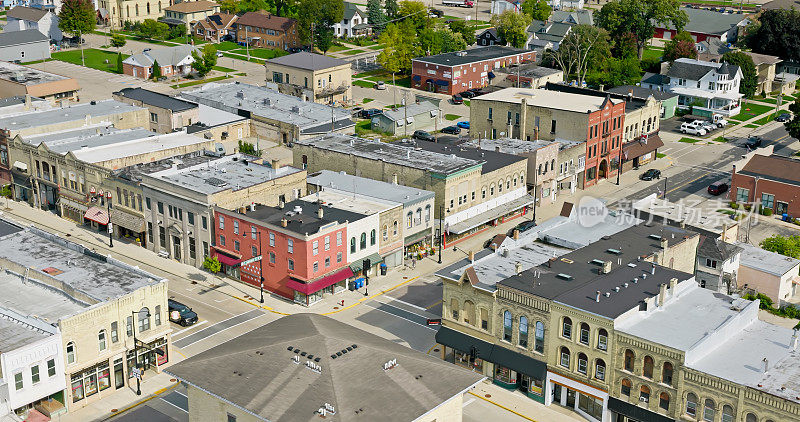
x=635, y=412
x=358, y=264
x=69, y=203
x=128, y=221
x=227, y=257
x=98, y=215
x=319, y=284
x=635, y=149
x=416, y=237
x=485, y=217
x=19, y=165
x=464, y=343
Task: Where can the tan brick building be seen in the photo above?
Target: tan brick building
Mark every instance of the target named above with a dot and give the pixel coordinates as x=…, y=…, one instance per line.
x=166, y=114
x=17, y=80
x=186, y=12
x=313, y=77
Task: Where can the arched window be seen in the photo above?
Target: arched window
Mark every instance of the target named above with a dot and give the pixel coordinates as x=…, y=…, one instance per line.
x=454, y=308
x=385, y=232
x=602, y=339
x=409, y=219
x=499, y=185
x=666, y=373
x=483, y=192
x=372, y=237
x=491, y=189
x=148, y=8
x=566, y=328
x=144, y=319
x=508, y=182
x=507, y=323
x=582, y=363
x=127, y=11
x=584, y=338
x=523, y=331
x=564, y=357
x=691, y=405
x=647, y=370
x=600, y=369
x=663, y=401
x=629, y=357
x=363, y=243
x=469, y=312
x=101, y=340
x=353, y=244
x=751, y=418
x=71, y=353
x=708, y=410
x=539, y=337
x=419, y=216
x=394, y=228
x=644, y=394
x=625, y=388
x=137, y=9
x=427, y=213
x=521, y=178
x=727, y=413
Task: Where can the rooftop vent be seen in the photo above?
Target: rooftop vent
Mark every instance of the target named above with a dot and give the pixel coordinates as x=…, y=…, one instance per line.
x=564, y=276
x=632, y=265
x=567, y=260
x=597, y=262
x=461, y=53
x=614, y=251
x=655, y=237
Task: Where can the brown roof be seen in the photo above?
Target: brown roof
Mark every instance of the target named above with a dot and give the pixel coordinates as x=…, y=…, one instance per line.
x=773, y=167
x=781, y=4
x=763, y=58
x=51, y=88
x=27, y=13
x=635, y=149
x=192, y=6
x=265, y=20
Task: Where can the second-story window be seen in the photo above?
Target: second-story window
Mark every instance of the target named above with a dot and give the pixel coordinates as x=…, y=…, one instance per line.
x=566, y=328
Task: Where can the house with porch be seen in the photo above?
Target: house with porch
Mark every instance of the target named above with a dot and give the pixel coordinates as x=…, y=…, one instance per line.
x=45, y=21
x=174, y=61
x=216, y=27
x=353, y=23
x=184, y=13
x=708, y=87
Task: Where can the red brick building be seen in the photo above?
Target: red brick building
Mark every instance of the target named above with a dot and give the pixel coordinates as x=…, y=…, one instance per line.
x=262, y=29
x=303, y=248
x=771, y=181
x=456, y=72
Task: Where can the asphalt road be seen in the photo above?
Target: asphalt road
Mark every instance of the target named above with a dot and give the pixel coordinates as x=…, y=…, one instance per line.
x=170, y=406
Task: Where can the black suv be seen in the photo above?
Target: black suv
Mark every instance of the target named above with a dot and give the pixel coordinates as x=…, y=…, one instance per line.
x=180, y=313
x=651, y=174
x=369, y=113
x=753, y=142
x=423, y=136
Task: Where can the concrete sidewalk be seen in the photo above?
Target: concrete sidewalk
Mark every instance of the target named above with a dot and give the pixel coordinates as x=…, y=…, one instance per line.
x=521, y=405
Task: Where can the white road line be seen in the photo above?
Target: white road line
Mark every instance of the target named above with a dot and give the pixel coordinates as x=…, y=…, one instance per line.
x=174, y=405
x=466, y=403
x=666, y=149
x=409, y=304
x=398, y=316
x=204, y=303
x=189, y=328
x=226, y=329
x=178, y=392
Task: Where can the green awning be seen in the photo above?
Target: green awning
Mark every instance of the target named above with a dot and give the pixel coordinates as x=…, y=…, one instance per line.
x=358, y=264
x=416, y=237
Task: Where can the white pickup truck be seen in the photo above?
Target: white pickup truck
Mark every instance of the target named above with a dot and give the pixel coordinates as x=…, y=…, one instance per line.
x=458, y=3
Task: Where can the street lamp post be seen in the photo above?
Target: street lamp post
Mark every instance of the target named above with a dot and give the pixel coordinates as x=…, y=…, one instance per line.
x=110, y=226
x=441, y=231
x=135, y=348
x=260, y=266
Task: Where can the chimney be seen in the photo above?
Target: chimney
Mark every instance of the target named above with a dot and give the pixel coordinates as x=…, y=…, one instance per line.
x=515, y=234
x=276, y=164
x=597, y=297
x=664, y=243
x=793, y=342
x=724, y=231
x=683, y=224
x=320, y=212
x=734, y=169
x=518, y=268
x=636, y=280
x=471, y=256
x=673, y=282
x=27, y=101
x=284, y=222
x=243, y=210
x=606, y=267
x=662, y=293
x=766, y=365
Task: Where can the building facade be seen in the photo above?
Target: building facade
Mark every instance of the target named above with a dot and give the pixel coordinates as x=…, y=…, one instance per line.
x=769, y=182
x=186, y=12
x=173, y=61
x=312, y=77
x=166, y=114
x=263, y=29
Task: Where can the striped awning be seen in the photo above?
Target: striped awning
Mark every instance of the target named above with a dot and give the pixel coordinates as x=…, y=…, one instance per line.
x=98, y=215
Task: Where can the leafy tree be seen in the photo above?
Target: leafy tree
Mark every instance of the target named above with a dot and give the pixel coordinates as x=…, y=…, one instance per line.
x=375, y=15
x=247, y=148
x=244, y=6
x=639, y=18
x=5, y=192
x=119, y=62
x=538, y=10
x=437, y=41
x=228, y=6
x=77, y=17
x=176, y=31
x=153, y=30
x=206, y=60
x=212, y=264
x=778, y=34
x=156, y=70
x=625, y=46
x=793, y=125
x=784, y=245
x=415, y=12
x=398, y=40
x=322, y=14
x=284, y=7
x=391, y=8
x=749, y=82
x=679, y=47
x=585, y=48
x=462, y=27
x=118, y=40
x=616, y=72
x=512, y=27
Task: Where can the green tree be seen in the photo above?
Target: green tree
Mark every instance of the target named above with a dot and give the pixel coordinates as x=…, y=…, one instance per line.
x=586, y=48
x=228, y=6
x=206, y=60
x=5, y=192
x=119, y=62
x=415, y=12
x=176, y=31
x=392, y=8
x=283, y=7
x=778, y=34
x=639, y=18
x=322, y=15
x=616, y=72
x=156, y=70
x=212, y=264
x=375, y=15
x=679, y=47
x=437, y=41
x=784, y=245
x=244, y=6
x=512, y=27
x=793, y=125
x=399, y=47
x=466, y=30
x=538, y=10
x=247, y=148
x=118, y=40
x=153, y=30
x=749, y=82
x=77, y=17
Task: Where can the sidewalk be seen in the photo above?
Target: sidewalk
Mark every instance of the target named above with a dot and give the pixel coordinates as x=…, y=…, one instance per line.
x=521, y=405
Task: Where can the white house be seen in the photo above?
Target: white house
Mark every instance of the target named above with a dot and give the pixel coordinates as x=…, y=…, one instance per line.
x=717, y=265
x=500, y=6
x=711, y=88
x=354, y=22
x=566, y=4
x=21, y=18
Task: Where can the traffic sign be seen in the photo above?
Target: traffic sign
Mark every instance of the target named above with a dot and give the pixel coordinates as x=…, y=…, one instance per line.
x=251, y=260
x=136, y=373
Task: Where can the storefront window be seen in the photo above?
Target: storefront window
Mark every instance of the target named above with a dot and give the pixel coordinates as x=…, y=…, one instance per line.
x=591, y=406
x=505, y=375
x=103, y=376
x=77, y=387
x=536, y=386
x=462, y=359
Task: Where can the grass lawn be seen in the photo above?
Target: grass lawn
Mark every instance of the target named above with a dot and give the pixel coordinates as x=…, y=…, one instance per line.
x=766, y=100
x=370, y=73
x=660, y=155
x=689, y=140
x=764, y=120
x=334, y=48
x=363, y=84
x=452, y=117
x=352, y=52
x=727, y=212
x=224, y=69
x=242, y=57
x=36, y=61
x=652, y=53
x=720, y=139
x=751, y=110
x=376, y=47
x=241, y=74
x=751, y=126
x=404, y=82
x=367, y=100
x=200, y=82
x=227, y=46
x=184, y=40
x=94, y=58
x=466, y=103
x=262, y=53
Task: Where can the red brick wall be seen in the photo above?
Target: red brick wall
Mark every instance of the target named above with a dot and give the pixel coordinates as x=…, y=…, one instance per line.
x=783, y=192
x=282, y=40
x=596, y=156
x=421, y=72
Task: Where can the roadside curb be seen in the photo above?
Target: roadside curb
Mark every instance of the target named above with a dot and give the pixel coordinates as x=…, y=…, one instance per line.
x=503, y=407
x=144, y=400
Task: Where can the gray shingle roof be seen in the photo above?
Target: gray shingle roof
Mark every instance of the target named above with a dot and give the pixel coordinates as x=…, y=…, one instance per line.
x=21, y=37
x=639, y=92
x=708, y=21
x=580, y=17
x=350, y=10
x=308, y=61
x=156, y=99
x=694, y=70
x=716, y=249
x=27, y=13
x=165, y=56
x=554, y=29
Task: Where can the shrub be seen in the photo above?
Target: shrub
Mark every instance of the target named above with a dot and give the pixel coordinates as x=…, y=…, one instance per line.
x=212, y=264
x=734, y=205
x=766, y=211
x=747, y=207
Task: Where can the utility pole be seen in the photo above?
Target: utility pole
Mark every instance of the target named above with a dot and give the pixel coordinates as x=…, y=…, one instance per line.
x=441, y=231
x=619, y=165
x=405, y=110
x=246, y=43
x=80, y=43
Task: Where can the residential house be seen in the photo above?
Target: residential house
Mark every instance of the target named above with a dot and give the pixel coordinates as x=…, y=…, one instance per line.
x=376, y=363
x=770, y=181
x=186, y=12
x=499, y=6
x=263, y=29
x=174, y=61
x=579, y=16
x=354, y=22
x=533, y=114
x=405, y=120
x=489, y=37
x=45, y=21
x=711, y=49
x=770, y=273
x=458, y=71
x=560, y=5
x=785, y=83
x=215, y=28
x=717, y=265
x=706, y=23
x=544, y=35
x=768, y=80
x=312, y=77
x=24, y=46
x=167, y=114
x=669, y=101
x=528, y=75
x=18, y=80
x=707, y=87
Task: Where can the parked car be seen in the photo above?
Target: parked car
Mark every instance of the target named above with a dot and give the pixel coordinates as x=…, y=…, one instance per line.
x=219, y=54
x=693, y=129
x=457, y=99
x=463, y=125
x=452, y=130
x=180, y=313
x=436, y=13
x=753, y=142
x=380, y=85
x=651, y=174
x=369, y=113
x=784, y=117
x=478, y=91
x=423, y=136
x=707, y=125
x=356, y=111
x=467, y=94
x=718, y=188
x=524, y=226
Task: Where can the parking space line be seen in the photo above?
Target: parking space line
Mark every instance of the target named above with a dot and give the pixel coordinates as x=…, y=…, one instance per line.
x=406, y=303
x=174, y=405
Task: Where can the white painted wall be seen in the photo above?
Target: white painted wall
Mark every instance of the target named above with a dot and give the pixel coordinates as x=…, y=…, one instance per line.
x=21, y=360
x=485, y=206
x=355, y=228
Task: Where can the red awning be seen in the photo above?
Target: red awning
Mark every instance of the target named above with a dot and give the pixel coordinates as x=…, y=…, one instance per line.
x=227, y=260
x=316, y=285
x=98, y=215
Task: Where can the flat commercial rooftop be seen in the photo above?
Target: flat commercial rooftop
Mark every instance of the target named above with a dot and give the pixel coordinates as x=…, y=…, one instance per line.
x=407, y=156
x=766, y=261
x=471, y=55
x=96, y=276
x=14, y=334
x=331, y=180
x=66, y=114
x=548, y=99
x=249, y=100
x=350, y=201
x=27, y=75
x=509, y=145
x=657, y=209
x=492, y=160
x=302, y=217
